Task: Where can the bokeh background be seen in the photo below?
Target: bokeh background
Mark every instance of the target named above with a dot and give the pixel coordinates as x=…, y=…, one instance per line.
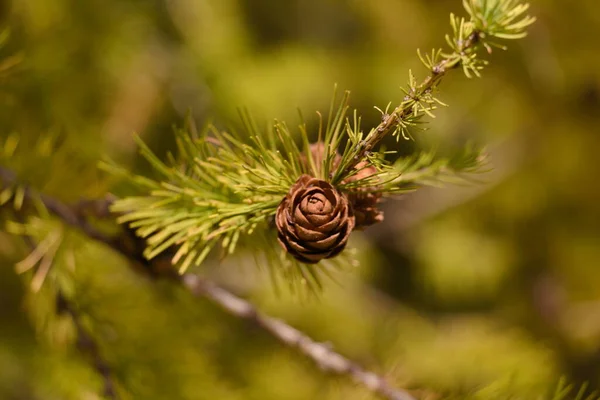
x=489, y=291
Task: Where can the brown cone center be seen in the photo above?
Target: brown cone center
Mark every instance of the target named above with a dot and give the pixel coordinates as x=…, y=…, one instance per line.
x=317, y=203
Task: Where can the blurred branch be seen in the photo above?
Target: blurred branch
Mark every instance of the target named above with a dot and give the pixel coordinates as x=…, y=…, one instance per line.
x=85, y=341
x=88, y=345
x=320, y=353
x=61, y=210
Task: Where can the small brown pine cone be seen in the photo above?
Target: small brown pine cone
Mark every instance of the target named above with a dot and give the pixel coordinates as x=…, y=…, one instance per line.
x=364, y=203
x=314, y=220
x=365, y=208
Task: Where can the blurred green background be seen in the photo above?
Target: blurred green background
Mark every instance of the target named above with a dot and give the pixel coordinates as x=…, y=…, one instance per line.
x=489, y=292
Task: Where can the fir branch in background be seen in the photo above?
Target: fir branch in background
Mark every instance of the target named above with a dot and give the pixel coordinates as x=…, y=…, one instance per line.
x=224, y=189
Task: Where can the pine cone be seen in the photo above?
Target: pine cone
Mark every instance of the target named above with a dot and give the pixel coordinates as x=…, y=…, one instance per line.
x=364, y=203
x=314, y=220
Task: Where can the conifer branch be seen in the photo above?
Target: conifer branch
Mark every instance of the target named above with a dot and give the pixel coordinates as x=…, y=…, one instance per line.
x=320, y=353
x=488, y=19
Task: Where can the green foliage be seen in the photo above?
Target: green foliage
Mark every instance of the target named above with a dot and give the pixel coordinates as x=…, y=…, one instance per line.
x=428, y=169
x=221, y=188
x=488, y=19
x=503, y=19
x=92, y=75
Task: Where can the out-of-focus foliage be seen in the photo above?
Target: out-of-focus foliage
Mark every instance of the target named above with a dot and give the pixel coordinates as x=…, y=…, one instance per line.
x=485, y=292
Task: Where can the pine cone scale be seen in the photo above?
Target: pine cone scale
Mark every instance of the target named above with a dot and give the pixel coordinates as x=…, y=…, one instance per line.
x=317, y=219
x=295, y=246
x=326, y=243
x=318, y=203
x=334, y=223
x=307, y=234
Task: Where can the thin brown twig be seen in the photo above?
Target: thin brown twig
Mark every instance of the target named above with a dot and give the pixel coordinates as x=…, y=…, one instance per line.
x=61, y=210
x=321, y=354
